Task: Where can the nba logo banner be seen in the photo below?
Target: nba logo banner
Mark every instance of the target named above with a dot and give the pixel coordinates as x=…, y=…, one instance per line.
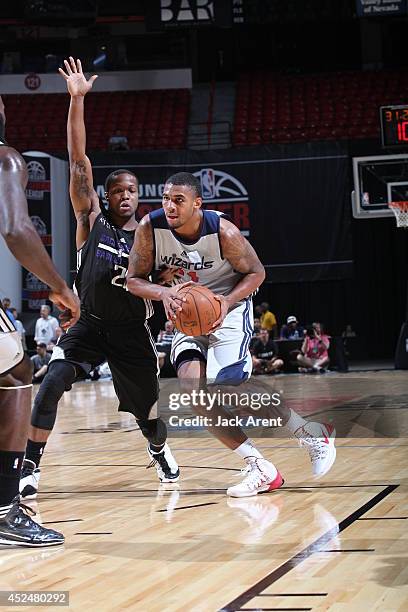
x=207, y=183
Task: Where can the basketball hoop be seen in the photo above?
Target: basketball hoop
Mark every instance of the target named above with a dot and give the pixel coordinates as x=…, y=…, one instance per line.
x=400, y=210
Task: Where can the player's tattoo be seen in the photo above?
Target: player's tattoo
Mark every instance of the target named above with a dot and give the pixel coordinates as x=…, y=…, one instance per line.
x=141, y=255
x=237, y=250
x=83, y=220
x=80, y=181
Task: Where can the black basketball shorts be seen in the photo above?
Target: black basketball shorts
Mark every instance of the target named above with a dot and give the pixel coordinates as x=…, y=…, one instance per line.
x=130, y=352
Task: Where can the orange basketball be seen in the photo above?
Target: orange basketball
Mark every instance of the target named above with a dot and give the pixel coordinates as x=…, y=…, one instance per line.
x=200, y=311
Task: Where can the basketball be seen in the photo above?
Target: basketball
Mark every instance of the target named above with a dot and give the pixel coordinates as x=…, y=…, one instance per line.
x=200, y=311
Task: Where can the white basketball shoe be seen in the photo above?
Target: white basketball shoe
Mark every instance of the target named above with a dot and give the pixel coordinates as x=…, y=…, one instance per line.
x=261, y=477
x=318, y=439
x=165, y=464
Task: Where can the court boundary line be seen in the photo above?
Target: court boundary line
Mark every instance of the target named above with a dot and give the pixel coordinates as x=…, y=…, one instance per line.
x=245, y=597
x=216, y=491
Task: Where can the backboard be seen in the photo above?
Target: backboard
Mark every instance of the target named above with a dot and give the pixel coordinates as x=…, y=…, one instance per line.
x=378, y=180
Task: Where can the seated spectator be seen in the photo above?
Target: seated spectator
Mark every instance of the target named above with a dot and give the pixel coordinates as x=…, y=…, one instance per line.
x=54, y=340
x=257, y=327
x=314, y=356
x=166, y=335
x=40, y=361
x=292, y=330
x=255, y=333
x=20, y=328
x=265, y=355
x=118, y=142
x=164, y=340
x=267, y=319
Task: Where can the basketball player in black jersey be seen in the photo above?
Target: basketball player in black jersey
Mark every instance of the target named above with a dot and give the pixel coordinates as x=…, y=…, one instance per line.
x=113, y=325
x=16, y=526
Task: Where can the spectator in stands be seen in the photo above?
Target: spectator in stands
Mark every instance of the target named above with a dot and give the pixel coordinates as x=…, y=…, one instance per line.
x=40, y=361
x=6, y=303
x=267, y=319
x=257, y=327
x=164, y=340
x=54, y=340
x=165, y=336
x=314, y=356
x=45, y=326
x=118, y=142
x=265, y=358
x=292, y=330
x=255, y=333
x=20, y=328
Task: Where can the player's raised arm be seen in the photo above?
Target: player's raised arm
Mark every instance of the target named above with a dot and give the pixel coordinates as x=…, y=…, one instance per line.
x=242, y=257
x=83, y=196
x=141, y=263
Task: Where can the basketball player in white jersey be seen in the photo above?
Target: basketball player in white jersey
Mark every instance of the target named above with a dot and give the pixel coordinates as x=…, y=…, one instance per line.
x=201, y=246
x=16, y=526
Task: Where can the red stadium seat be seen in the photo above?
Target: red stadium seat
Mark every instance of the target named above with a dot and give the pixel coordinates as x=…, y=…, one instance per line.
x=277, y=108
x=151, y=119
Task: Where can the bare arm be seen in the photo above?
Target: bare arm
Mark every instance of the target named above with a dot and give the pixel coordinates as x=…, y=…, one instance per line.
x=84, y=199
x=141, y=262
x=19, y=233
x=242, y=257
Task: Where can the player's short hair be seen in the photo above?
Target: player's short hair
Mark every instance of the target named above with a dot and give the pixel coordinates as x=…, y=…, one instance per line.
x=111, y=178
x=187, y=179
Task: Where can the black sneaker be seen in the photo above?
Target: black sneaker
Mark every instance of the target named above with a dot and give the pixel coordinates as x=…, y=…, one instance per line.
x=18, y=529
x=165, y=464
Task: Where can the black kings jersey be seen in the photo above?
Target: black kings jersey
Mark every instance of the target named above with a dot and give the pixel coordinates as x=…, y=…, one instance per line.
x=101, y=277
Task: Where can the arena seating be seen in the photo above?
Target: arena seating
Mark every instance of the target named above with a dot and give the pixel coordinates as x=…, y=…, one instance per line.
x=155, y=119
x=282, y=109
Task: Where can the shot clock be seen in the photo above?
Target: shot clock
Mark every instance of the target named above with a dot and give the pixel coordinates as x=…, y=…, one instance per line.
x=394, y=125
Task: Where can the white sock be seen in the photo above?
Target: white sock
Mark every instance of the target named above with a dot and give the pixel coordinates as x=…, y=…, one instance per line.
x=295, y=421
x=247, y=449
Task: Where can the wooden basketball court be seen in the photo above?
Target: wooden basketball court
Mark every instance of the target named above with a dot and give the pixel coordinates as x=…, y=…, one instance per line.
x=339, y=543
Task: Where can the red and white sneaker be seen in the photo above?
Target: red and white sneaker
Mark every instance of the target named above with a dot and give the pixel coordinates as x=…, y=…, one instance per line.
x=318, y=438
x=261, y=477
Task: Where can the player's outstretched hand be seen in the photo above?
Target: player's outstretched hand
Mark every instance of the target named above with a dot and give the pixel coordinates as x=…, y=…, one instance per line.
x=172, y=301
x=75, y=78
x=224, y=310
x=68, y=302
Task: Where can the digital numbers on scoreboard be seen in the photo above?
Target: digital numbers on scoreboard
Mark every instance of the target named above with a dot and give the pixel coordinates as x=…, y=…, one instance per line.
x=394, y=126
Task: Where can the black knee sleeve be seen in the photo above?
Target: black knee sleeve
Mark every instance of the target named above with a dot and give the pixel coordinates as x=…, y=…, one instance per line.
x=59, y=378
x=154, y=430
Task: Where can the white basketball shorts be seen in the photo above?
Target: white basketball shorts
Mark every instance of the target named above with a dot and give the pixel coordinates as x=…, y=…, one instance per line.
x=226, y=351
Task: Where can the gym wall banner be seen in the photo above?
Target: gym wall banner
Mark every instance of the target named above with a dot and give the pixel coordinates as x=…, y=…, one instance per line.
x=294, y=210
x=48, y=207
x=163, y=14
x=379, y=8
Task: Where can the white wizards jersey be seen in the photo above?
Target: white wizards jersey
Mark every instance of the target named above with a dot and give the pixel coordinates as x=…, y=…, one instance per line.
x=200, y=261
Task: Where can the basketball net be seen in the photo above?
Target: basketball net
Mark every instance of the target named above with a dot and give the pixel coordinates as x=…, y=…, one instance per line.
x=400, y=210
